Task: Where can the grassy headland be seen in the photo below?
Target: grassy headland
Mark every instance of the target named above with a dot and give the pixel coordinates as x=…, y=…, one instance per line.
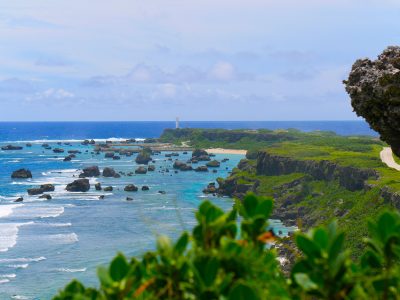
x=300, y=195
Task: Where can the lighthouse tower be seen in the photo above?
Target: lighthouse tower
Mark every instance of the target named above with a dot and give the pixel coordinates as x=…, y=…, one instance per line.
x=177, y=123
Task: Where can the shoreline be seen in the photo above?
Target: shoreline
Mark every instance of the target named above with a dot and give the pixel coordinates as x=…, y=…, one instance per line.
x=226, y=151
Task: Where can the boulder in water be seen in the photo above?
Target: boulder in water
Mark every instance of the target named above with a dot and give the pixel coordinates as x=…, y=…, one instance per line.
x=131, y=188
x=21, y=174
x=79, y=185
x=108, y=172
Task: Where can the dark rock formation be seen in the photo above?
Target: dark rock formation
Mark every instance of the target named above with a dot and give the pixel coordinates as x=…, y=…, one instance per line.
x=129, y=199
x=199, y=152
x=67, y=158
x=48, y=187
x=213, y=164
x=374, y=89
x=35, y=191
x=151, y=168
x=116, y=157
x=92, y=171
x=349, y=177
x=108, y=189
x=141, y=170
x=21, y=174
x=19, y=199
x=11, y=147
x=131, y=188
x=210, y=189
x=45, y=196
x=97, y=186
x=145, y=188
x=109, y=172
x=162, y=192
x=58, y=150
x=79, y=185
x=144, y=156
x=201, y=169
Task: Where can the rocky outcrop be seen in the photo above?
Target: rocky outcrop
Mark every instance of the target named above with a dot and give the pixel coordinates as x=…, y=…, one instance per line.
x=201, y=169
x=144, y=156
x=92, y=171
x=182, y=166
x=109, y=172
x=11, y=147
x=131, y=188
x=97, y=186
x=35, y=191
x=48, y=187
x=79, y=185
x=21, y=174
x=141, y=170
x=108, y=189
x=213, y=164
x=58, y=150
x=350, y=178
x=374, y=89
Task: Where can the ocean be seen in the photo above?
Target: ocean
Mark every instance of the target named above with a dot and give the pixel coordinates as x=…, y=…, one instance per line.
x=46, y=243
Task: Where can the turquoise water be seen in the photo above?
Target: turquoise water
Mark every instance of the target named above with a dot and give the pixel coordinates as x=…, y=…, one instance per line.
x=46, y=243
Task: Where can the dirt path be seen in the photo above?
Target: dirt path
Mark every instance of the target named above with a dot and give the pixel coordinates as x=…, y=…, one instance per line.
x=387, y=158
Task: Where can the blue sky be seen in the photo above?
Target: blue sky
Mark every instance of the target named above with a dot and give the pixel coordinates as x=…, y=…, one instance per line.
x=197, y=59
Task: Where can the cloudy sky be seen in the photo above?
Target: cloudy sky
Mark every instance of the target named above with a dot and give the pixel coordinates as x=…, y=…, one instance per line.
x=197, y=59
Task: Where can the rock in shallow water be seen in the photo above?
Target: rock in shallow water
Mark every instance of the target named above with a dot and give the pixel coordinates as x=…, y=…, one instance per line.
x=79, y=185
x=21, y=174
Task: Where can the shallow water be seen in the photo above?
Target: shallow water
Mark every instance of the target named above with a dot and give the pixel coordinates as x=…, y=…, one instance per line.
x=46, y=243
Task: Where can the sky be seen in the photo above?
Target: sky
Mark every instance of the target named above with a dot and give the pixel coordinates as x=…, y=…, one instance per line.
x=133, y=60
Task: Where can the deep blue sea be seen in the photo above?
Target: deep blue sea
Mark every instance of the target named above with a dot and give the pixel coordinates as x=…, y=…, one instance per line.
x=46, y=243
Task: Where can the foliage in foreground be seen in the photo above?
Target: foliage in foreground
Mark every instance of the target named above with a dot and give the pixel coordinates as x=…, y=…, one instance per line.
x=225, y=257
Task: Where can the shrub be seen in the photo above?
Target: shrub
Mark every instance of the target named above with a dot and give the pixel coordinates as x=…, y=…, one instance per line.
x=225, y=257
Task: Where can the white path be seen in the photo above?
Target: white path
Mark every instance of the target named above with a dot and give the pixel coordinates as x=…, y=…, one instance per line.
x=387, y=158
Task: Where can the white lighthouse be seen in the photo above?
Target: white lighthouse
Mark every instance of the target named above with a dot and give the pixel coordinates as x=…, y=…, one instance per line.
x=177, y=123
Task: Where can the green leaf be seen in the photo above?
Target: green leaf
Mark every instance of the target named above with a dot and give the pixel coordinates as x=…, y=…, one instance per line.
x=250, y=203
x=305, y=282
x=181, y=244
x=74, y=287
x=104, y=276
x=242, y=291
x=119, y=267
x=321, y=238
x=265, y=207
x=308, y=247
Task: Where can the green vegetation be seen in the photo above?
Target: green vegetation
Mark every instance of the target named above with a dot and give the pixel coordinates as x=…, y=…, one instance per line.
x=225, y=258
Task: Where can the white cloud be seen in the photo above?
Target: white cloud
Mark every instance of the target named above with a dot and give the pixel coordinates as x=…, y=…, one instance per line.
x=223, y=71
x=51, y=94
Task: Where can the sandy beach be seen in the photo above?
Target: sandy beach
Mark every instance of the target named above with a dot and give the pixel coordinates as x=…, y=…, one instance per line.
x=226, y=151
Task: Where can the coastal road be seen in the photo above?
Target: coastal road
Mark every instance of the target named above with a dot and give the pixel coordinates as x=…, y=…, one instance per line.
x=387, y=158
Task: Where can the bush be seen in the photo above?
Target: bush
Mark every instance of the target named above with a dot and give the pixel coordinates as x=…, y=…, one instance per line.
x=226, y=257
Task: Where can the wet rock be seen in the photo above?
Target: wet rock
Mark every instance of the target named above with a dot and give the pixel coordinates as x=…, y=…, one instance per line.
x=116, y=157
x=162, y=192
x=199, y=152
x=131, y=188
x=58, y=150
x=109, y=172
x=213, y=164
x=144, y=156
x=35, y=191
x=11, y=147
x=129, y=199
x=19, y=199
x=101, y=197
x=67, y=158
x=201, y=169
x=92, y=171
x=151, y=168
x=108, y=189
x=145, y=188
x=21, y=174
x=97, y=186
x=48, y=187
x=141, y=170
x=45, y=196
x=28, y=145
x=79, y=185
